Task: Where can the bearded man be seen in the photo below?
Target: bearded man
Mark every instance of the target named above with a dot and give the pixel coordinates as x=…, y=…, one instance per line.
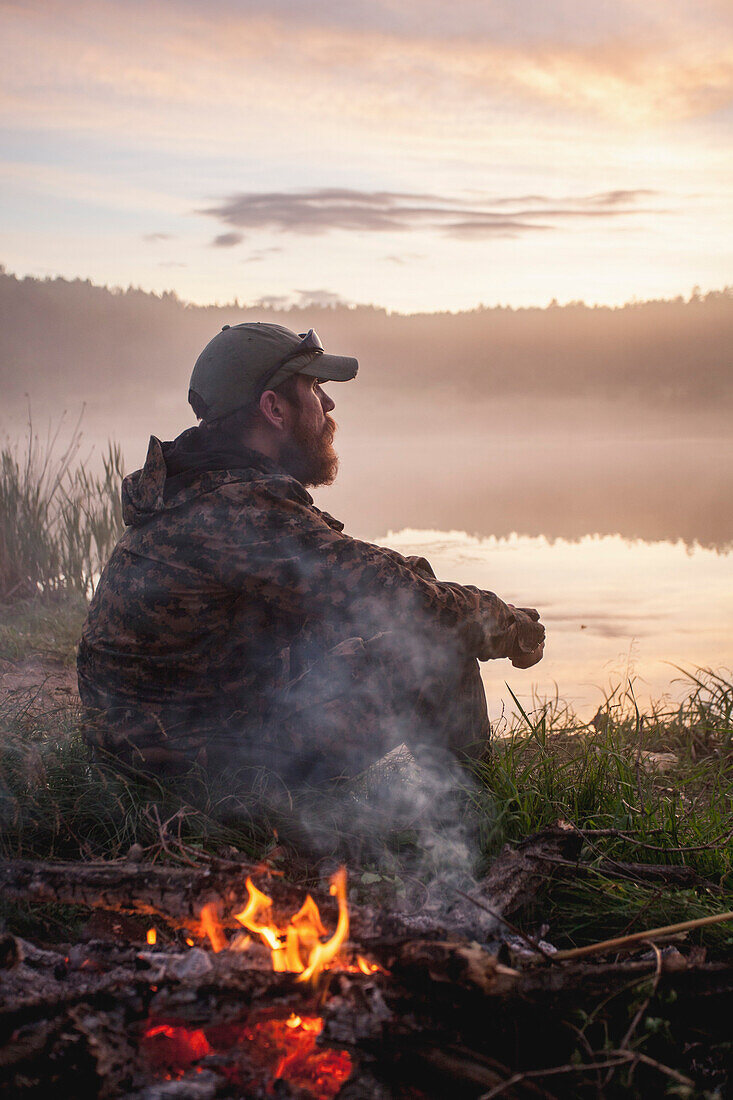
x=235, y=623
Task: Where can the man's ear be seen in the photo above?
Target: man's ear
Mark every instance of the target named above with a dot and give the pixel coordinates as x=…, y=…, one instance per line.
x=275, y=410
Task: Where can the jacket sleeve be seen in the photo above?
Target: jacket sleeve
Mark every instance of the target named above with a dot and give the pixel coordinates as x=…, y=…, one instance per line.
x=286, y=553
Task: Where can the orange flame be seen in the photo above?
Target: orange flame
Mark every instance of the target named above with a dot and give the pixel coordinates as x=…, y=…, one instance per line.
x=322, y=953
x=212, y=927
x=367, y=967
x=152, y=936
x=301, y=938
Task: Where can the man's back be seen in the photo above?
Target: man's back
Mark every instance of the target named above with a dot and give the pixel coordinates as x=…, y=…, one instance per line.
x=175, y=650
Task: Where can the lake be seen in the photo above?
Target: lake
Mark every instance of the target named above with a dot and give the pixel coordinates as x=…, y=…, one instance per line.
x=615, y=609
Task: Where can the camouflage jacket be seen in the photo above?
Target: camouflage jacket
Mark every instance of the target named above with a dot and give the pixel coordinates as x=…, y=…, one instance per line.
x=229, y=582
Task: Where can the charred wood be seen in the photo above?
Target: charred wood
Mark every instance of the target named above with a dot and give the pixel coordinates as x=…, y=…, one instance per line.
x=518, y=875
x=179, y=894
x=176, y=894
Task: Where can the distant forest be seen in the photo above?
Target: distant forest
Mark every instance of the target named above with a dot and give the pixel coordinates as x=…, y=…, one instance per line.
x=61, y=338
x=559, y=421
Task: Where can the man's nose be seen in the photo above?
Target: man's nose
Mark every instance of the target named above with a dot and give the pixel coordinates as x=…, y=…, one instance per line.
x=328, y=403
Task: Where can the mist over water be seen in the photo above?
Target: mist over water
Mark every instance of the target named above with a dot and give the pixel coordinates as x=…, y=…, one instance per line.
x=601, y=437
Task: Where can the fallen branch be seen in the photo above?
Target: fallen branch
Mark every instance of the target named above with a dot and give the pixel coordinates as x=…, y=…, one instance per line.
x=716, y=842
x=174, y=894
x=605, y=946
x=681, y=877
x=531, y=943
x=612, y=1061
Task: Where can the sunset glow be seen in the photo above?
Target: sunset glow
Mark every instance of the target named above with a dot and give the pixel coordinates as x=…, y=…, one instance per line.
x=283, y=152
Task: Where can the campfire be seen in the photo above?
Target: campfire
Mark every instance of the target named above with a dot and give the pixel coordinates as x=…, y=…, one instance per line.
x=225, y=982
x=283, y=1046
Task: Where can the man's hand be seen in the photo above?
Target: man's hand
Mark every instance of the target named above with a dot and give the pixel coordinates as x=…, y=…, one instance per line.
x=526, y=660
x=526, y=643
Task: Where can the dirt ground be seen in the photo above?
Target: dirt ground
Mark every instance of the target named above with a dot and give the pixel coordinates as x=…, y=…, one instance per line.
x=53, y=680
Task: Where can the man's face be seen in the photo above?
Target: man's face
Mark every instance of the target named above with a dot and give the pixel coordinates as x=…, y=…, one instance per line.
x=308, y=453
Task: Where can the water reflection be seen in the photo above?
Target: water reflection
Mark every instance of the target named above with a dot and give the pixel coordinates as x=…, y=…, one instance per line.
x=614, y=608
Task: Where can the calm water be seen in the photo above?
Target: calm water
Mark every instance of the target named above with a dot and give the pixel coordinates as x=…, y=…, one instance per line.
x=613, y=609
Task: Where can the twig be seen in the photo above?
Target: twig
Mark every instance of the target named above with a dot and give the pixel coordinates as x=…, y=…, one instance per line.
x=671, y=874
x=512, y=927
x=666, y=1070
x=622, y=1057
x=553, y=1071
x=723, y=838
x=162, y=827
x=645, y=1003
x=641, y=1009
x=639, y=937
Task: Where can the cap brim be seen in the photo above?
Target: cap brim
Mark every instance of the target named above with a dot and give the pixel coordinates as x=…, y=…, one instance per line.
x=331, y=368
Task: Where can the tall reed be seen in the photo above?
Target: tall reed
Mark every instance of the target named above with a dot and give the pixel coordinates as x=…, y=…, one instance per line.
x=58, y=521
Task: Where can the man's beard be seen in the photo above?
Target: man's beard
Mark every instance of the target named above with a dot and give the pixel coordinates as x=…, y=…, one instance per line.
x=309, y=456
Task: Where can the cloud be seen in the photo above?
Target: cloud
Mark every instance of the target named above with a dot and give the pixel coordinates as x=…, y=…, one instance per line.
x=272, y=301
x=404, y=257
x=260, y=254
x=171, y=263
x=227, y=240
x=321, y=210
x=635, y=66
x=308, y=298
x=154, y=238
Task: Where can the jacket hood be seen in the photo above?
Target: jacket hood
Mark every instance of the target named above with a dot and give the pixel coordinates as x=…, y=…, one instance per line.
x=173, y=466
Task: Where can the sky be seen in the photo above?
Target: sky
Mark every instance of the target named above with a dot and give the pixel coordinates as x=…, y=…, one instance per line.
x=413, y=154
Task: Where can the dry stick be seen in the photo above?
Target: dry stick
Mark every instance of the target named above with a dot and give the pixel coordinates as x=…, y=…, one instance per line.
x=512, y=927
x=645, y=1003
x=622, y=1057
x=553, y=1071
x=638, y=1015
x=723, y=838
x=639, y=937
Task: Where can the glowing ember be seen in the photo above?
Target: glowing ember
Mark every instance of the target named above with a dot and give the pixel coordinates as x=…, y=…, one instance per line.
x=152, y=937
x=175, y=1046
x=212, y=927
x=260, y=1050
x=367, y=967
x=189, y=941
x=297, y=948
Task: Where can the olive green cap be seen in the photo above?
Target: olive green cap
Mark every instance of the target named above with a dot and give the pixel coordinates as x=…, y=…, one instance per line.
x=242, y=360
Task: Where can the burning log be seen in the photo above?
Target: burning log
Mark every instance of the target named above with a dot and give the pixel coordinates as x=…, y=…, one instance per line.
x=180, y=895
x=176, y=894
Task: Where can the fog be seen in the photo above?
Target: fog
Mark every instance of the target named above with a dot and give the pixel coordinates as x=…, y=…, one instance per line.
x=562, y=421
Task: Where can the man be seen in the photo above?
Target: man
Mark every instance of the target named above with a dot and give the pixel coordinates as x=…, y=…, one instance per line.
x=235, y=624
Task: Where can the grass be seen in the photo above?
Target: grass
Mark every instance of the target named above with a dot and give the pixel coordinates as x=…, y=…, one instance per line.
x=603, y=780
x=56, y=803
x=58, y=521
x=48, y=628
